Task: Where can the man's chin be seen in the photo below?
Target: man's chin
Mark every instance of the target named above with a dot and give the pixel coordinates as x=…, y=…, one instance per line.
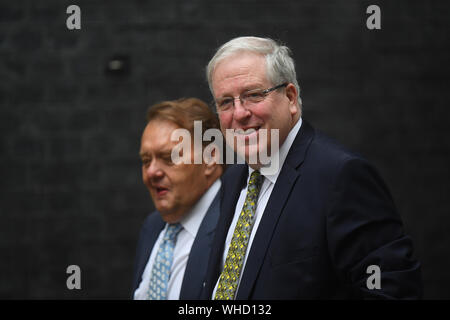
x=162, y=207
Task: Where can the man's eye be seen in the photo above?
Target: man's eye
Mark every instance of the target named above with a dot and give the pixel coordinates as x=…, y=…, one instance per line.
x=225, y=103
x=254, y=96
x=167, y=160
x=146, y=162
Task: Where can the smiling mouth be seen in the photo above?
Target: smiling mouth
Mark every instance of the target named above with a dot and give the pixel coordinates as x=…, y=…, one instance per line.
x=160, y=191
x=246, y=132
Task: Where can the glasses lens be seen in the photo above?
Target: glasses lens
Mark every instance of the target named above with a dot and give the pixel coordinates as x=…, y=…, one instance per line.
x=253, y=96
x=224, y=104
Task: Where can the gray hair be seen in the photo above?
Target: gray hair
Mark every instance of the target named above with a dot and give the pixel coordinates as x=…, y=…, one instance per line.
x=280, y=66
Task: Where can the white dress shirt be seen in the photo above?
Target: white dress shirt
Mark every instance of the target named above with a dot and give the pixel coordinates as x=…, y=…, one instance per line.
x=191, y=223
x=263, y=198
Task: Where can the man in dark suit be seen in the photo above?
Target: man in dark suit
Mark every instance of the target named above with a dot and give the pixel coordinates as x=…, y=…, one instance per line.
x=175, y=240
x=322, y=224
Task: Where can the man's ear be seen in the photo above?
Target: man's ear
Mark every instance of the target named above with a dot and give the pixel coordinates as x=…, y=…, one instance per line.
x=211, y=162
x=292, y=95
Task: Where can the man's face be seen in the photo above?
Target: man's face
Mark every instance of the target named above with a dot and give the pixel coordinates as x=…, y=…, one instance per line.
x=174, y=188
x=247, y=71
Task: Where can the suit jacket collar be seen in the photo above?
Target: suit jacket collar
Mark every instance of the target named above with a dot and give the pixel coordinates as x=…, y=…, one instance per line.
x=198, y=257
x=299, y=148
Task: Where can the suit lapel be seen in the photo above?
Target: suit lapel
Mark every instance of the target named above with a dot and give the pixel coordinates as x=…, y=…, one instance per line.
x=149, y=237
x=198, y=257
x=231, y=197
x=280, y=194
x=232, y=184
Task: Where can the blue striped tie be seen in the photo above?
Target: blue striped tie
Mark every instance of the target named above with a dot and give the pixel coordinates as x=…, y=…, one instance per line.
x=159, y=279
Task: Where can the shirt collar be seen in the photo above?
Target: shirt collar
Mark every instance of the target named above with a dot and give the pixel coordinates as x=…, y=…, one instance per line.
x=283, y=152
x=193, y=218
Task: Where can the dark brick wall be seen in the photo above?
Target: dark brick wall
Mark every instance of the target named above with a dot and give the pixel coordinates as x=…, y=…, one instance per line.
x=71, y=191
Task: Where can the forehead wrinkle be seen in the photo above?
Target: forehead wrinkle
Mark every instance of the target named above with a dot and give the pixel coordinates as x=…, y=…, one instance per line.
x=245, y=73
x=247, y=81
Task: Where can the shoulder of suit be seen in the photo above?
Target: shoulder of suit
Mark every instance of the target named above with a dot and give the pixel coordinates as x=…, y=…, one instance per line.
x=328, y=148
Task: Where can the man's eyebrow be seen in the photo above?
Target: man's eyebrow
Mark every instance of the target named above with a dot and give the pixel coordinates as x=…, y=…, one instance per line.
x=160, y=153
x=143, y=154
x=165, y=153
x=256, y=86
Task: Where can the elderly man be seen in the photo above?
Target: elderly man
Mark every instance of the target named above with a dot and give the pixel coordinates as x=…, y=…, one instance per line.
x=174, y=243
x=323, y=225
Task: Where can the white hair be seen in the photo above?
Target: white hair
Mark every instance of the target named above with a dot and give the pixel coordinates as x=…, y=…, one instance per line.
x=280, y=66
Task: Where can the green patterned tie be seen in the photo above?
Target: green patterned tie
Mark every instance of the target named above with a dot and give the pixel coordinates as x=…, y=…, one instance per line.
x=229, y=278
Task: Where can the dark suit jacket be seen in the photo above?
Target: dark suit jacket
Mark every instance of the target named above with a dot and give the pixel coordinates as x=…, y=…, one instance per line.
x=195, y=272
x=329, y=217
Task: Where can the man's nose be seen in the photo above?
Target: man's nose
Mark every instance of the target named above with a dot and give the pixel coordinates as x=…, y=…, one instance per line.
x=154, y=170
x=240, y=111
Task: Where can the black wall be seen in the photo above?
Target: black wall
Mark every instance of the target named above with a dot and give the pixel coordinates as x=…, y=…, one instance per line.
x=71, y=191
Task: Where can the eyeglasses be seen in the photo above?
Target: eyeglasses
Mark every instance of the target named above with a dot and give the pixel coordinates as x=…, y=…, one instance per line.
x=247, y=98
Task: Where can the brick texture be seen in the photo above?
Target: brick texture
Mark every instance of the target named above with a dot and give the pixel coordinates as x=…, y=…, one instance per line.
x=71, y=190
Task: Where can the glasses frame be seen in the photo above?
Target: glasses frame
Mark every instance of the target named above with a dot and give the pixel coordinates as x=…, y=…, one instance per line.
x=265, y=93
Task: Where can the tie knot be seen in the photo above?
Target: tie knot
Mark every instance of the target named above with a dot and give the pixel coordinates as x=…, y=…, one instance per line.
x=172, y=231
x=255, y=180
